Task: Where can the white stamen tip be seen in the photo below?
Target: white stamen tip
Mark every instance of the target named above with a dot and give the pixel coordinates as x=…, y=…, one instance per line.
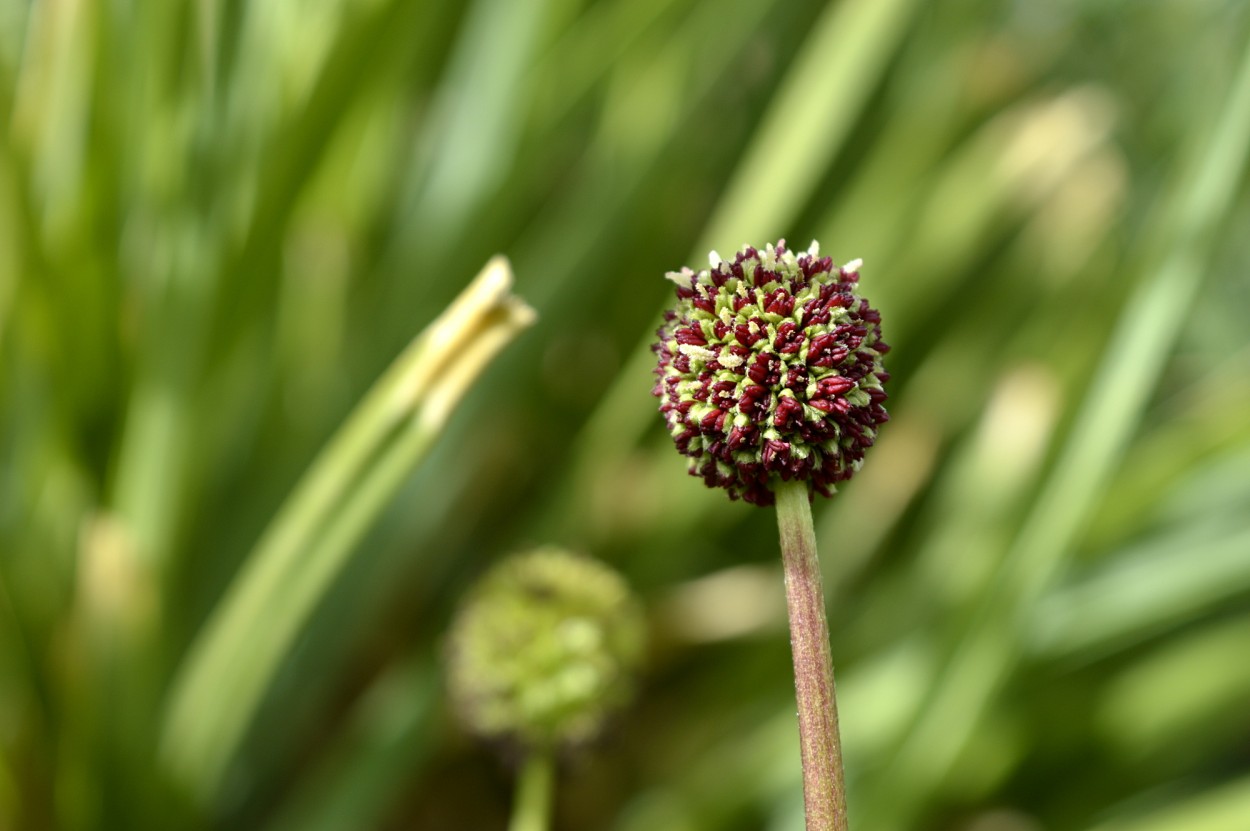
x=692, y=350
x=681, y=278
x=729, y=360
x=853, y=265
x=714, y=259
x=813, y=250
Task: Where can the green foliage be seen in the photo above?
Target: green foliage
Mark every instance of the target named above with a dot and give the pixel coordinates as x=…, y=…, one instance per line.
x=221, y=221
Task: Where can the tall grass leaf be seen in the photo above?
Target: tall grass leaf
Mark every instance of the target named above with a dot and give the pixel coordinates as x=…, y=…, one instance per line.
x=309, y=541
x=1222, y=808
x=983, y=649
x=841, y=61
x=387, y=736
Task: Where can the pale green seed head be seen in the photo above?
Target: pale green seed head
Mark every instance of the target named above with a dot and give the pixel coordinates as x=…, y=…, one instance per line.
x=544, y=649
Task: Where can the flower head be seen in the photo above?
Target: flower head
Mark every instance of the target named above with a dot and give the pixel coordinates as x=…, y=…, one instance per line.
x=770, y=367
x=544, y=649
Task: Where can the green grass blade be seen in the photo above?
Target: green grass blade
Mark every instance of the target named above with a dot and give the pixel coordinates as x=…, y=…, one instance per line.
x=841, y=61
x=388, y=735
x=245, y=640
x=984, y=649
x=807, y=122
x=1220, y=809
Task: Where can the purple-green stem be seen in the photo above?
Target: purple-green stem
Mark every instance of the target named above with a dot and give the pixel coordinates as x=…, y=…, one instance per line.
x=824, y=790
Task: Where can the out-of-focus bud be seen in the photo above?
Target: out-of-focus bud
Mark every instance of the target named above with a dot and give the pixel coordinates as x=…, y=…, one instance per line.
x=544, y=649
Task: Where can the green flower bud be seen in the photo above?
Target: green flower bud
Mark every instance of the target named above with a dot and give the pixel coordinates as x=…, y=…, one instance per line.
x=543, y=649
x=770, y=368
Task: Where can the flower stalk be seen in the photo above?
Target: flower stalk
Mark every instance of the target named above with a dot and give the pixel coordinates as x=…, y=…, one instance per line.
x=534, y=790
x=541, y=653
x=771, y=383
x=824, y=788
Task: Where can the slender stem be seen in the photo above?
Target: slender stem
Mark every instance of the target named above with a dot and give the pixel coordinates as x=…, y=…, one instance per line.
x=824, y=791
x=535, y=786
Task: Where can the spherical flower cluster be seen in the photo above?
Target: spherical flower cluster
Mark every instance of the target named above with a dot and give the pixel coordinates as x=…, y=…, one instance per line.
x=770, y=367
x=543, y=649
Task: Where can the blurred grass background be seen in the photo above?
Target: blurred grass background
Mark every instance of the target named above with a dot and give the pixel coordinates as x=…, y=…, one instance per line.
x=220, y=221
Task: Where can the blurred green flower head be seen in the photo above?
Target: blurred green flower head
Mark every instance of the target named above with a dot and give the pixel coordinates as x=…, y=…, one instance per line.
x=543, y=649
x=770, y=366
